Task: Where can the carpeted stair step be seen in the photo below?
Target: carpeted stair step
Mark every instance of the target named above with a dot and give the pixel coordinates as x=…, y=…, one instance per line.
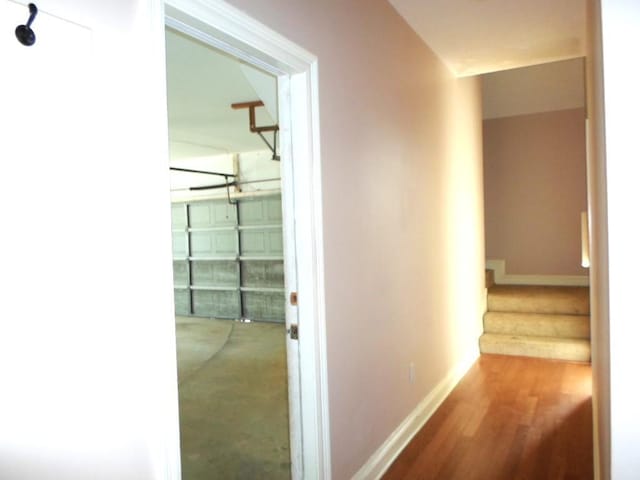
x=537, y=324
x=578, y=350
x=538, y=299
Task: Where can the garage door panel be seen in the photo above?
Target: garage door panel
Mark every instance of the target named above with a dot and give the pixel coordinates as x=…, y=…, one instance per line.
x=218, y=304
x=182, y=301
x=211, y=214
x=261, y=243
x=214, y=243
x=275, y=242
x=251, y=212
x=179, y=242
x=214, y=274
x=261, y=211
x=207, y=233
x=180, y=273
x=267, y=307
x=274, y=209
x=178, y=216
x=263, y=274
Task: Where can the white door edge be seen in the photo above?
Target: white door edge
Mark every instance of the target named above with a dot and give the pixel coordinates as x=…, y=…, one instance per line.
x=224, y=27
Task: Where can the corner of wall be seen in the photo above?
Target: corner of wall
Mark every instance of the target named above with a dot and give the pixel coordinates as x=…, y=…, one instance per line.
x=503, y=278
x=384, y=457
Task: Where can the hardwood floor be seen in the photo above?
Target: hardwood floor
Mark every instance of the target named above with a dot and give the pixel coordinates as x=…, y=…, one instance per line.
x=510, y=418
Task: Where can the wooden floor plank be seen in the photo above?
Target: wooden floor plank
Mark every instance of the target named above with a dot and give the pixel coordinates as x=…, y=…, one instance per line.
x=510, y=418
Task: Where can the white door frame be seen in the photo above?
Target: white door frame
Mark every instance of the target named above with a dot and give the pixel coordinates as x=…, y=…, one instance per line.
x=224, y=27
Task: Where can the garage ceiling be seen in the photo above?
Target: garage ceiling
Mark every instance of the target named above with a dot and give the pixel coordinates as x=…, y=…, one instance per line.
x=202, y=84
x=480, y=36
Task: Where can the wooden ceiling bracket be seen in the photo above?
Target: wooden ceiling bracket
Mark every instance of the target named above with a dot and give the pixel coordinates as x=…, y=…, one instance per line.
x=251, y=106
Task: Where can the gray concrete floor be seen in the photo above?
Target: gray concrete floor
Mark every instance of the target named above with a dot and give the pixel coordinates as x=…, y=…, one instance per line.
x=233, y=400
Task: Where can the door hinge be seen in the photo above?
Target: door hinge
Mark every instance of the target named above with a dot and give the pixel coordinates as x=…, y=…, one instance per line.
x=293, y=299
x=293, y=331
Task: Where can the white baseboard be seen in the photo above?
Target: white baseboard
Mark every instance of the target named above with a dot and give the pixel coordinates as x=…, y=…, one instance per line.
x=501, y=277
x=382, y=459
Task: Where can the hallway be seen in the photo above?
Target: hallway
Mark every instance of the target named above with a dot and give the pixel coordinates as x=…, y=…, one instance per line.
x=509, y=418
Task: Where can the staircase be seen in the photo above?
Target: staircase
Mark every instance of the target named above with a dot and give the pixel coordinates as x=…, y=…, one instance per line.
x=537, y=321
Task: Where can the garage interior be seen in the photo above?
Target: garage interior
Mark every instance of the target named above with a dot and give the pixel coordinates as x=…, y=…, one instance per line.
x=228, y=265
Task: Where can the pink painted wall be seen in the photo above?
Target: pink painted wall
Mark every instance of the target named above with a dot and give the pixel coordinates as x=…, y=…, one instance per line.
x=402, y=184
x=535, y=189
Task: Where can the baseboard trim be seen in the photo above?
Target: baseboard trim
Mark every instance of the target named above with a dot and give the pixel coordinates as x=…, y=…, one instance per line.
x=501, y=277
x=382, y=459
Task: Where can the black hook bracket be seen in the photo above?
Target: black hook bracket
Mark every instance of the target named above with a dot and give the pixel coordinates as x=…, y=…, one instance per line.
x=24, y=34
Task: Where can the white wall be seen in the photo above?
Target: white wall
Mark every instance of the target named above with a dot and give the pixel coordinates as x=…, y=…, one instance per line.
x=251, y=166
x=402, y=189
x=214, y=163
x=615, y=101
x=258, y=166
x=87, y=355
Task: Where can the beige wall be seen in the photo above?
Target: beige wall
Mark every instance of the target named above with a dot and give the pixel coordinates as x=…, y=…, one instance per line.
x=540, y=88
x=401, y=167
x=599, y=271
x=535, y=189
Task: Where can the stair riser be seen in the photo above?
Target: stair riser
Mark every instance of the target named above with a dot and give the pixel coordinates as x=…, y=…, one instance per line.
x=565, y=326
x=544, y=300
x=577, y=352
x=489, y=278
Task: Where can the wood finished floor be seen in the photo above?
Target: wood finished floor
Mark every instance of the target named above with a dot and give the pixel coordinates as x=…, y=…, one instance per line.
x=510, y=418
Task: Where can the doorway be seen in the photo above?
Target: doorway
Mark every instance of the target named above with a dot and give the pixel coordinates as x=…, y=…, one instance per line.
x=221, y=26
x=228, y=265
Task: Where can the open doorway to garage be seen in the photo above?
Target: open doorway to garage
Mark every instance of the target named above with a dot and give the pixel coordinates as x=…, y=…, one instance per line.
x=228, y=266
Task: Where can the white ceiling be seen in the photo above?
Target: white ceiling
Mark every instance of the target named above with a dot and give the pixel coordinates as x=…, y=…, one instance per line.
x=479, y=36
x=202, y=83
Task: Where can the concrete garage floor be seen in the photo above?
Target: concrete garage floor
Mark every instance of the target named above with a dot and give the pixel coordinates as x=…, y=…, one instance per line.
x=233, y=400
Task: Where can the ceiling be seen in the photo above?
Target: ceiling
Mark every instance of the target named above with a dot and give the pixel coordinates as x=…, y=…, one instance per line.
x=202, y=83
x=540, y=88
x=479, y=36
x=470, y=36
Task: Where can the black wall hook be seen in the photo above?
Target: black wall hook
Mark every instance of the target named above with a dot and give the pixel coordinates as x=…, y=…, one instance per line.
x=24, y=34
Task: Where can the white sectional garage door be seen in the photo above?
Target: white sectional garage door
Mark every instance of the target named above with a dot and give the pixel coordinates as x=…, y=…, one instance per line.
x=228, y=258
